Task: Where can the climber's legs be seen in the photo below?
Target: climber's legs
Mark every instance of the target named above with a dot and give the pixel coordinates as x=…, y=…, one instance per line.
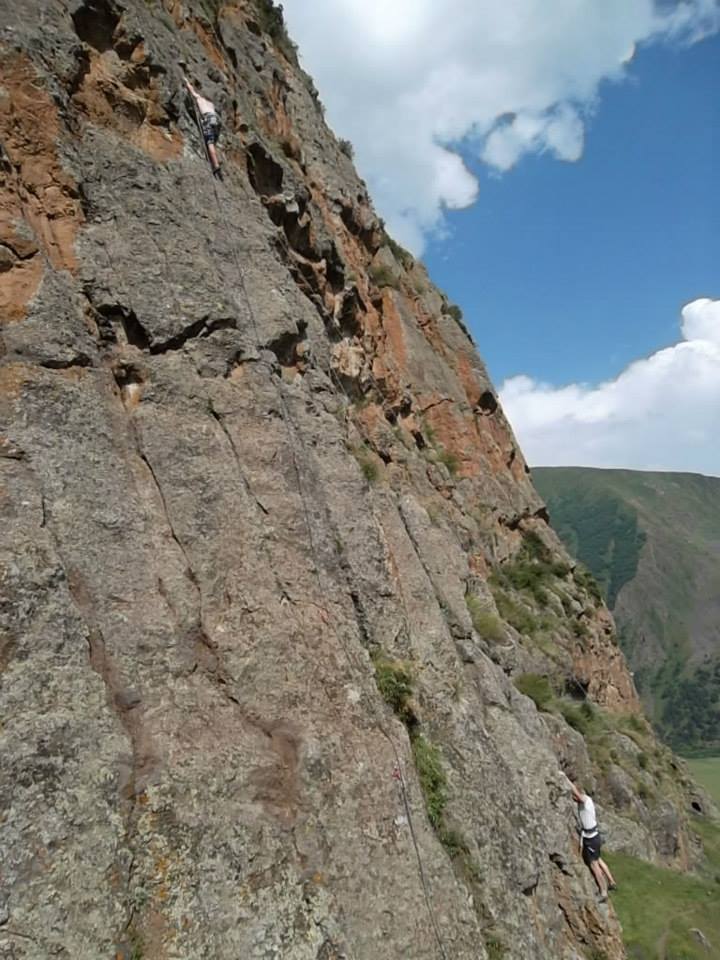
x=606, y=870
x=591, y=856
x=599, y=877
x=212, y=153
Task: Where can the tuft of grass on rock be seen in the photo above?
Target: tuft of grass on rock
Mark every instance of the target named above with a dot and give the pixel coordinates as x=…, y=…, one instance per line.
x=450, y=460
x=495, y=949
x=453, y=841
x=513, y=611
x=367, y=464
x=536, y=687
x=382, y=276
x=402, y=255
x=347, y=148
x=433, y=782
x=485, y=622
x=395, y=682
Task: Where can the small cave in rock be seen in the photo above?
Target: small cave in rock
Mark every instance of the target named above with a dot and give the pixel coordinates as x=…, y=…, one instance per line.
x=126, y=374
x=141, y=75
x=391, y=416
x=95, y=24
x=297, y=229
x=82, y=68
x=370, y=237
x=335, y=268
x=696, y=807
x=576, y=688
x=348, y=310
x=265, y=174
x=114, y=317
x=487, y=403
x=130, y=381
x=306, y=278
x=134, y=331
x=285, y=347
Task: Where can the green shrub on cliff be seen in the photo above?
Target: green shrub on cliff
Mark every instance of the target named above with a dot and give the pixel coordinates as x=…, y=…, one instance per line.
x=382, y=276
x=514, y=612
x=532, y=572
x=433, y=782
x=485, y=622
x=395, y=683
x=272, y=22
x=450, y=460
x=537, y=688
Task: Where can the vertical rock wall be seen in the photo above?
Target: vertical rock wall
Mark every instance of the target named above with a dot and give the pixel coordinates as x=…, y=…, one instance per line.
x=245, y=448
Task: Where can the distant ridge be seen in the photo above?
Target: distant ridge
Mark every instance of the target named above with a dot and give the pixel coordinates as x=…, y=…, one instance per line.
x=652, y=540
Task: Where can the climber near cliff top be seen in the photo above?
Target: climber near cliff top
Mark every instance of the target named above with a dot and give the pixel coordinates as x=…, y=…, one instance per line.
x=591, y=842
x=210, y=126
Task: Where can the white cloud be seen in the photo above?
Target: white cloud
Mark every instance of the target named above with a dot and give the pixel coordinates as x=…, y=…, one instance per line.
x=660, y=413
x=408, y=80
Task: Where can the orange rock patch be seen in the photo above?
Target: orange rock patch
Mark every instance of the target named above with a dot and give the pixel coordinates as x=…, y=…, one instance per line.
x=40, y=213
x=466, y=374
x=124, y=94
x=13, y=377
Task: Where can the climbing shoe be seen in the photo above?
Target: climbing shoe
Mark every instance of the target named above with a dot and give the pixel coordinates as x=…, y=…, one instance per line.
x=612, y=886
x=217, y=173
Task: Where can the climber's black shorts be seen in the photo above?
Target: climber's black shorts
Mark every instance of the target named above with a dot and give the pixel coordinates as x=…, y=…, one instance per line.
x=591, y=849
x=210, y=127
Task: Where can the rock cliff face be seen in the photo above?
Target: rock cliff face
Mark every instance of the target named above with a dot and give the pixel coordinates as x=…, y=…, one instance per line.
x=271, y=558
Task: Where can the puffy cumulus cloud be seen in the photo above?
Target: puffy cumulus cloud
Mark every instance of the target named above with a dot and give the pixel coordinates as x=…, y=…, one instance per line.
x=661, y=413
x=408, y=81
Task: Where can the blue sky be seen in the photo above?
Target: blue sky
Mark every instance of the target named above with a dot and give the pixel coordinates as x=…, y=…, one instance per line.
x=555, y=164
x=568, y=271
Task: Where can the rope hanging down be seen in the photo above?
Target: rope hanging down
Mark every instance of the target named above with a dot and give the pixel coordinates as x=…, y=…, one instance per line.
x=293, y=435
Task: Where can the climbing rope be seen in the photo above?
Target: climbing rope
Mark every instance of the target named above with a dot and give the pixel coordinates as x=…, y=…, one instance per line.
x=293, y=436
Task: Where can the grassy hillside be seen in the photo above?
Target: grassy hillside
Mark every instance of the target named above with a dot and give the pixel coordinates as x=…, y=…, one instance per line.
x=652, y=540
x=667, y=915
x=707, y=772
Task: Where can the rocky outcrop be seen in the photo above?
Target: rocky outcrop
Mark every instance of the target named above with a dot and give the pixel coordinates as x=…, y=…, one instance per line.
x=254, y=475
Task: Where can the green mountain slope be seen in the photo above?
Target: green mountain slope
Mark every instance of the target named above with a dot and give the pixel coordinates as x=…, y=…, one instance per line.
x=652, y=540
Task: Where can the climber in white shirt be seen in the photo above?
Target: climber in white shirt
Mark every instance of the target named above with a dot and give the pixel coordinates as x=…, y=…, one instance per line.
x=210, y=124
x=591, y=842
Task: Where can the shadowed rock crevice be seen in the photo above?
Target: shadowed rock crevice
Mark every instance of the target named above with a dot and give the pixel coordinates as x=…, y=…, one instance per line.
x=265, y=174
x=288, y=347
x=95, y=23
x=198, y=329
